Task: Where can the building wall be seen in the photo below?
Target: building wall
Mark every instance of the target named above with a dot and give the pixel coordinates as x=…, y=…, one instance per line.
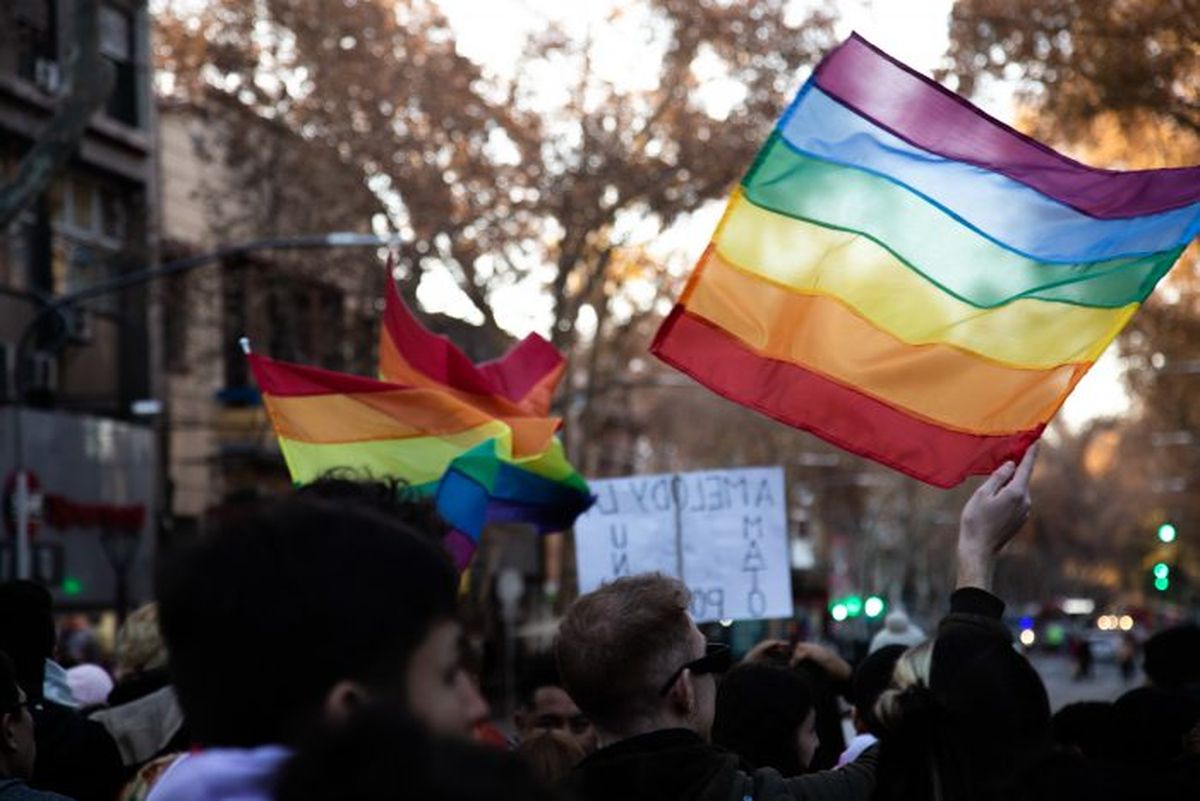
x=298, y=305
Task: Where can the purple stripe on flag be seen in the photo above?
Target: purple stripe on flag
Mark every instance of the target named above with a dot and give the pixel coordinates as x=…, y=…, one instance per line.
x=460, y=547
x=928, y=115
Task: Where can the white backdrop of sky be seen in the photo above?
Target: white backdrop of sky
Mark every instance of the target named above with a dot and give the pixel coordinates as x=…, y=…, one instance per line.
x=492, y=33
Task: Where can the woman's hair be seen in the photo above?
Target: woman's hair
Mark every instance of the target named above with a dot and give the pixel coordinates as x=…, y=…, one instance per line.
x=966, y=719
x=910, y=678
x=759, y=709
x=139, y=643
x=550, y=755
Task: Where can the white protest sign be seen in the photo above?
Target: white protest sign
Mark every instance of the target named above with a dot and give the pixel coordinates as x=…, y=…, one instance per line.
x=723, y=532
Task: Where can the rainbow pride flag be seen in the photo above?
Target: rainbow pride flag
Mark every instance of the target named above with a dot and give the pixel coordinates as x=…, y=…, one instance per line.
x=481, y=456
x=521, y=382
x=914, y=281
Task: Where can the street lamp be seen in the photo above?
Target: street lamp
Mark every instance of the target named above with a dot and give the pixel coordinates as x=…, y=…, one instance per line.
x=22, y=490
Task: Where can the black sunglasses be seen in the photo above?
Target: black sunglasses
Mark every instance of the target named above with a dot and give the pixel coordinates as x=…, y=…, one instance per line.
x=717, y=659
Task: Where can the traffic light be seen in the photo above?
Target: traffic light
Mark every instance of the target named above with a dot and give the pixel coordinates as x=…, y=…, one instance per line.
x=873, y=607
x=1162, y=570
x=1166, y=532
x=854, y=606
x=1162, y=584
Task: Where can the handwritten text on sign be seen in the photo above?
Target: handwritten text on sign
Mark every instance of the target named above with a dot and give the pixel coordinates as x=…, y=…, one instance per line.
x=732, y=526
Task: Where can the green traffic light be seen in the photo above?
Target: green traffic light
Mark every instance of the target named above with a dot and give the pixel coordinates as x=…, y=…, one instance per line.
x=72, y=586
x=1162, y=570
x=873, y=607
x=1161, y=584
x=1166, y=532
x=854, y=606
x=838, y=612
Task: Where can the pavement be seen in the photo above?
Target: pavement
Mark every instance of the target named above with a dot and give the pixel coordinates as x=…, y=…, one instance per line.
x=1105, y=683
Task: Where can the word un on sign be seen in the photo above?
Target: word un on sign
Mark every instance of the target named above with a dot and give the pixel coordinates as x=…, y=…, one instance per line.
x=722, y=532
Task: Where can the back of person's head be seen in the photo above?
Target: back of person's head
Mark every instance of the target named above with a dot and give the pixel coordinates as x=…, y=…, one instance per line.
x=967, y=718
x=391, y=497
x=380, y=755
x=140, y=646
x=871, y=678
x=27, y=631
x=265, y=616
x=760, y=709
x=90, y=684
x=897, y=629
x=1172, y=657
x=1152, y=723
x=551, y=755
x=617, y=645
x=540, y=670
x=1088, y=727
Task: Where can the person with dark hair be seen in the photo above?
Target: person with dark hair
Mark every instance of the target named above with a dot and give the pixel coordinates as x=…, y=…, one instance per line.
x=967, y=717
x=633, y=659
x=543, y=705
x=1172, y=658
x=75, y=757
x=297, y=612
x=871, y=678
x=551, y=755
x=765, y=715
x=828, y=678
x=17, y=745
x=1087, y=728
x=392, y=497
x=380, y=755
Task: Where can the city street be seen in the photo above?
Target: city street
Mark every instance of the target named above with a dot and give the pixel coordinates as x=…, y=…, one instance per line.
x=1057, y=672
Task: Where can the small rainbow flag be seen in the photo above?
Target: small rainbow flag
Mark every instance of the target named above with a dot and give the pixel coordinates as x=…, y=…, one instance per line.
x=914, y=281
x=459, y=437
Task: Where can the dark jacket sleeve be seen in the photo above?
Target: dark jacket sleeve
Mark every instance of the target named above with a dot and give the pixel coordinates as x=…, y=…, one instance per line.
x=975, y=612
x=852, y=782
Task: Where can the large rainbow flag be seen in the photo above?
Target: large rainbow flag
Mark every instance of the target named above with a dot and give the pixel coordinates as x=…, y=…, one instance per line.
x=449, y=428
x=914, y=281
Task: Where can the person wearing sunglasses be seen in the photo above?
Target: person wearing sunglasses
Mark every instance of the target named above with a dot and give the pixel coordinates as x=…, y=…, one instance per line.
x=17, y=747
x=636, y=664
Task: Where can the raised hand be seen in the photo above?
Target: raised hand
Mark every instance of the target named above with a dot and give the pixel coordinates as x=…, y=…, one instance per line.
x=991, y=518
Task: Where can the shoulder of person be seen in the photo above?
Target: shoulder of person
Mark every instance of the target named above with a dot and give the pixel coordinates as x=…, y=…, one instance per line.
x=17, y=790
x=854, y=781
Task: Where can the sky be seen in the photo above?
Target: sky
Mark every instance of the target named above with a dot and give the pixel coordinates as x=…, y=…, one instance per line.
x=491, y=32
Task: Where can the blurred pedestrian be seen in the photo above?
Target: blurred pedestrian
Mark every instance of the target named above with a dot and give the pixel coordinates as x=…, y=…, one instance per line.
x=871, y=678
x=765, y=715
x=543, y=705
x=1083, y=658
x=144, y=716
x=378, y=754
x=1172, y=658
x=551, y=755
x=90, y=685
x=75, y=757
x=897, y=630
x=17, y=746
x=299, y=611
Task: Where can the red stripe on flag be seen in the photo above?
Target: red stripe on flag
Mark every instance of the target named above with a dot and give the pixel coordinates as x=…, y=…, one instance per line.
x=843, y=416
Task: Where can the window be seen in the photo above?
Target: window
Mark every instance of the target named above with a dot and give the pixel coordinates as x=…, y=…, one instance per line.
x=117, y=44
x=34, y=39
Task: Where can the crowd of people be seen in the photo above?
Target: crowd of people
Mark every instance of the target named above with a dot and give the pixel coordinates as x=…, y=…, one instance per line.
x=307, y=647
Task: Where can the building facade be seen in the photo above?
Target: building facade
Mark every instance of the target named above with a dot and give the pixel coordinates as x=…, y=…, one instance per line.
x=72, y=419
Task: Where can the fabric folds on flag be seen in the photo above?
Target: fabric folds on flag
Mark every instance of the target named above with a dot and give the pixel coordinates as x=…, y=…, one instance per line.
x=915, y=281
x=455, y=432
